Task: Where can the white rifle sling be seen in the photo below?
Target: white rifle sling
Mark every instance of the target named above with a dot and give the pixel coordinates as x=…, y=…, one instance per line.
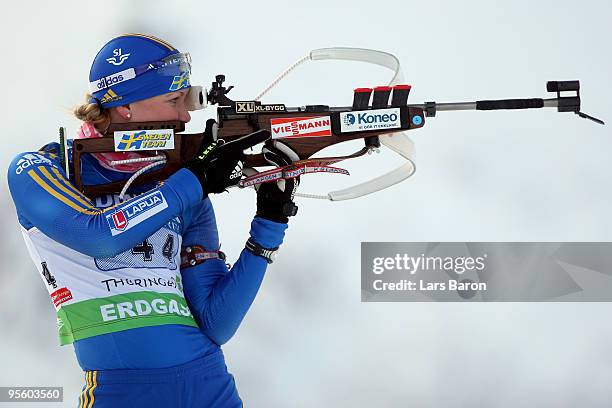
x=398, y=142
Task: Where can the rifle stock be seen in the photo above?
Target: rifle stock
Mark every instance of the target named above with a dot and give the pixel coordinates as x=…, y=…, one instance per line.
x=232, y=125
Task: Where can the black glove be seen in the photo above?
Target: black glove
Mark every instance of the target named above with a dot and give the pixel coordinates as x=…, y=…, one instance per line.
x=274, y=201
x=218, y=164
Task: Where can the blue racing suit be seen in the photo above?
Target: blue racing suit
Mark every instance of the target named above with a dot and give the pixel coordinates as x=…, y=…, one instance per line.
x=146, y=331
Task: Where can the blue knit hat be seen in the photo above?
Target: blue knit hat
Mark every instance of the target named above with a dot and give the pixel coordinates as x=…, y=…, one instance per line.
x=133, y=67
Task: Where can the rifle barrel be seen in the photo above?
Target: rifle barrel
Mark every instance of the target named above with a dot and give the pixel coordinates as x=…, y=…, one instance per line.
x=488, y=105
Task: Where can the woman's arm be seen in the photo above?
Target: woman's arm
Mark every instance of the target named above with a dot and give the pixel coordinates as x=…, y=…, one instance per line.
x=220, y=298
x=45, y=199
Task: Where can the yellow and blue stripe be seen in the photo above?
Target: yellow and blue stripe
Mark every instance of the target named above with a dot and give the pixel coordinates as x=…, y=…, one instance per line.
x=87, y=398
x=54, y=183
x=61, y=192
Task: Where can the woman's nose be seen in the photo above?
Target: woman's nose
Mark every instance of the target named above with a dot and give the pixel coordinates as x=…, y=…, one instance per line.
x=184, y=116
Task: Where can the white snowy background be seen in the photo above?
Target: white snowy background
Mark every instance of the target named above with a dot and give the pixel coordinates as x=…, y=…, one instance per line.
x=308, y=341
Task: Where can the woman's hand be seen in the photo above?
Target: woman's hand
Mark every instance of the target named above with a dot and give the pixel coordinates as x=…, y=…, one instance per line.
x=218, y=165
x=275, y=199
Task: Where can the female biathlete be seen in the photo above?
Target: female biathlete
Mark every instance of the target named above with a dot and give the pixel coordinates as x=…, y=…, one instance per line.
x=140, y=286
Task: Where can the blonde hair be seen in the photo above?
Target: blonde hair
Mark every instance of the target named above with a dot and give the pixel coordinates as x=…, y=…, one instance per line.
x=94, y=113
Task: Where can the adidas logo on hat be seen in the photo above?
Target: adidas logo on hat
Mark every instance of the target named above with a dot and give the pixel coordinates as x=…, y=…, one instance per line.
x=110, y=96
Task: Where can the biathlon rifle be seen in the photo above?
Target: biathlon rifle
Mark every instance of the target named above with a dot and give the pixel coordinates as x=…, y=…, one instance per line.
x=380, y=116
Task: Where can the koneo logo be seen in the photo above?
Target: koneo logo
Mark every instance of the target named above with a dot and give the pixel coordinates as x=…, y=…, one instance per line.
x=349, y=119
x=370, y=120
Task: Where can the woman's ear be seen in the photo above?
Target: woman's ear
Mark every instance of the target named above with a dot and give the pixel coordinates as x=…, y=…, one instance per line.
x=124, y=112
